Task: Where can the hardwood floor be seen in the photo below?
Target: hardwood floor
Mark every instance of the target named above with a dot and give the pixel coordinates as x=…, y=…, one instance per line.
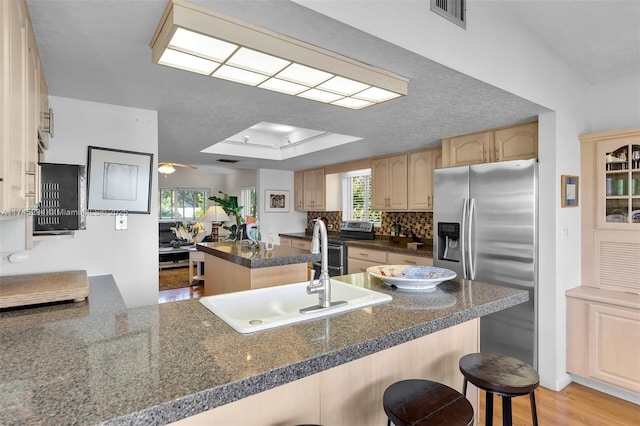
x=575, y=405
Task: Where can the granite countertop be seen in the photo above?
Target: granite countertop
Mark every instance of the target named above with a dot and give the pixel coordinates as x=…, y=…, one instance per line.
x=382, y=243
x=241, y=253
x=99, y=361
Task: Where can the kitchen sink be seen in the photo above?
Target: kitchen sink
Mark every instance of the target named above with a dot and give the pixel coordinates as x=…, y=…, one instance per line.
x=265, y=308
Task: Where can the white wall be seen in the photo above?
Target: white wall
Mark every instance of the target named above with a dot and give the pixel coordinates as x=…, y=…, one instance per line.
x=131, y=256
x=236, y=180
x=189, y=178
x=496, y=49
x=615, y=104
x=276, y=223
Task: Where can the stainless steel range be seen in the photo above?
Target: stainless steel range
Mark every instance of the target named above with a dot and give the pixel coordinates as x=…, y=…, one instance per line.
x=337, y=246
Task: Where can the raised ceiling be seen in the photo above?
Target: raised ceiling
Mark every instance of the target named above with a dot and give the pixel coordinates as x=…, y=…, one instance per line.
x=99, y=51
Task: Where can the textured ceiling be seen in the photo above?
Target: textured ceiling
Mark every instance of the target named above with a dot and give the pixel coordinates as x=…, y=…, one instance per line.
x=98, y=50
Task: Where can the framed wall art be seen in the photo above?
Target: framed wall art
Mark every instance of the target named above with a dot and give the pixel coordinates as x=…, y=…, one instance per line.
x=119, y=181
x=570, y=190
x=276, y=201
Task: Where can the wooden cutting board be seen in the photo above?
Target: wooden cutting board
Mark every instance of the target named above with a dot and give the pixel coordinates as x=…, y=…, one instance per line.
x=31, y=289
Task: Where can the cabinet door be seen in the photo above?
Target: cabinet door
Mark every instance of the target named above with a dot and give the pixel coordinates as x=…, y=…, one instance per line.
x=467, y=149
x=379, y=184
x=314, y=189
x=298, y=189
x=14, y=154
x=420, y=181
x=397, y=189
x=516, y=143
x=286, y=242
x=614, y=345
x=407, y=259
x=618, y=183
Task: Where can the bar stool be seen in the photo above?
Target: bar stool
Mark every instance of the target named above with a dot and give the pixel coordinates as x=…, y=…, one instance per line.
x=501, y=375
x=423, y=402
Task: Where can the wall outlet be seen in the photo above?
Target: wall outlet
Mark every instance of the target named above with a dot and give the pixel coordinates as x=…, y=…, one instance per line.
x=121, y=222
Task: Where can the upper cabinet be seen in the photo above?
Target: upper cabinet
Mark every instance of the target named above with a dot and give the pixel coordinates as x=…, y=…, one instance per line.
x=22, y=109
x=389, y=183
x=420, y=178
x=315, y=191
x=610, y=196
x=313, y=196
x=518, y=142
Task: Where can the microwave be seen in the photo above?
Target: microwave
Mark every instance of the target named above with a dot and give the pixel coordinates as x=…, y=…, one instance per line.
x=62, y=199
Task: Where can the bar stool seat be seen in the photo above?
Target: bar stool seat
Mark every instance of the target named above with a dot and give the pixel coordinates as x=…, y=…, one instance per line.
x=423, y=402
x=501, y=375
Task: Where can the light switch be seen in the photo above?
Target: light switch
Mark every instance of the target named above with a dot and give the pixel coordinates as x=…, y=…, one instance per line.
x=121, y=222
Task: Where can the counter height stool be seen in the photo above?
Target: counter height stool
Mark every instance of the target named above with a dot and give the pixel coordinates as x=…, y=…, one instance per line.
x=501, y=375
x=423, y=402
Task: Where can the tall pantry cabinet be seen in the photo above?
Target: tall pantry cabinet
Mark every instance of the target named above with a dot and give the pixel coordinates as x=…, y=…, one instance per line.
x=603, y=314
x=23, y=111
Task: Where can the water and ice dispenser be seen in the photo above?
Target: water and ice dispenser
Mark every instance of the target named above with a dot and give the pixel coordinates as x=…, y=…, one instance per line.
x=449, y=244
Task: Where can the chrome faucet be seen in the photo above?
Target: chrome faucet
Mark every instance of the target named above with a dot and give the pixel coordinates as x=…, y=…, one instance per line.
x=323, y=285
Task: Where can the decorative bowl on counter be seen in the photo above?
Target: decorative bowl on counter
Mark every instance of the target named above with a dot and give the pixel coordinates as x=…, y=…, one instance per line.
x=411, y=277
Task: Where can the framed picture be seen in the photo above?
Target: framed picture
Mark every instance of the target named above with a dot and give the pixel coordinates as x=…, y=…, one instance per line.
x=119, y=181
x=570, y=190
x=276, y=201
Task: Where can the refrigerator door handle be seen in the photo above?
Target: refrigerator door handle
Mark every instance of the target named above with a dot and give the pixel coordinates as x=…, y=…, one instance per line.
x=463, y=250
x=472, y=269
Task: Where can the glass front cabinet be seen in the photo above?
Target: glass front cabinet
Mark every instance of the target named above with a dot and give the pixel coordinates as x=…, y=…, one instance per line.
x=618, y=183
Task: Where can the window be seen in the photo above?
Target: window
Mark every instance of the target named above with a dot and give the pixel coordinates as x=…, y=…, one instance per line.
x=182, y=203
x=248, y=201
x=356, y=197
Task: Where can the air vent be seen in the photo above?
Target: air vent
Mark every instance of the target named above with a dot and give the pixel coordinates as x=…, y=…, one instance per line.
x=226, y=160
x=454, y=10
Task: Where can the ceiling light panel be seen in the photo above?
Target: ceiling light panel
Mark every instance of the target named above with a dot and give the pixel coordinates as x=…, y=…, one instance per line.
x=256, y=61
x=201, y=45
x=196, y=39
x=343, y=86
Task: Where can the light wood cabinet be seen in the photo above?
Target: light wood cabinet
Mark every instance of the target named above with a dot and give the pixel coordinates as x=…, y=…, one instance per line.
x=316, y=191
x=603, y=336
x=286, y=242
x=518, y=142
x=359, y=259
x=421, y=165
x=301, y=244
x=408, y=259
x=313, y=181
x=298, y=190
x=611, y=210
x=389, y=183
x=24, y=97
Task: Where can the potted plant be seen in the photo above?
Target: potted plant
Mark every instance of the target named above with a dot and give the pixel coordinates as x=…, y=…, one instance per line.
x=230, y=206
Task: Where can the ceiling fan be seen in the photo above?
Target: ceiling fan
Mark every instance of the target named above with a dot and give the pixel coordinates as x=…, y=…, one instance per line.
x=168, y=168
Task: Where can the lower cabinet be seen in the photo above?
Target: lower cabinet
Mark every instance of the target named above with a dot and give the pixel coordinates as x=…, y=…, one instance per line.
x=361, y=258
x=407, y=259
x=351, y=393
x=603, y=336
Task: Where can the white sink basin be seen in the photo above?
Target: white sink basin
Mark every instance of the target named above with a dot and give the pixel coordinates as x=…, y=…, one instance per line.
x=265, y=308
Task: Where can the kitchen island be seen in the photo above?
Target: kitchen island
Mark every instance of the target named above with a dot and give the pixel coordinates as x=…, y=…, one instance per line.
x=237, y=265
x=99, y=361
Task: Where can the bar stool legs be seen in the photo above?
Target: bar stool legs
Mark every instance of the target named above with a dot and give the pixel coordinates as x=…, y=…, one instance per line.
x=503, y=376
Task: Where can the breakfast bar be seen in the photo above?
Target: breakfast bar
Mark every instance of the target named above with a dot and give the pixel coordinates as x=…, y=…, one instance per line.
x=98, y=362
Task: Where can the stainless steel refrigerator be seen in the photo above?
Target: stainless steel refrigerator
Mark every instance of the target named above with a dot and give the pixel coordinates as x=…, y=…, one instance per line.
x=486, y=229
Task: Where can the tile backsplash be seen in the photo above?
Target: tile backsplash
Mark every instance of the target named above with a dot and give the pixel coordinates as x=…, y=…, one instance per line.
x=420, y=223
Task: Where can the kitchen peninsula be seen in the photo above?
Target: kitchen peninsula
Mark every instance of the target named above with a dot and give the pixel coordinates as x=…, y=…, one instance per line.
x=238, y=265
x=98, y=361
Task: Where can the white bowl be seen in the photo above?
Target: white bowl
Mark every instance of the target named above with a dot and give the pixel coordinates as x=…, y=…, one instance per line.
x=411, y=277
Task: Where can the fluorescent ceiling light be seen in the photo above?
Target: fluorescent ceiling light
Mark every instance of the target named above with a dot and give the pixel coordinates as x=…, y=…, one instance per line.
x=199, y=40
